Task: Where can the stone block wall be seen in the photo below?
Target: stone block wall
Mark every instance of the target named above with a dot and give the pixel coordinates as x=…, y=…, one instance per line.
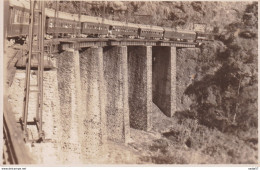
x=51, y=112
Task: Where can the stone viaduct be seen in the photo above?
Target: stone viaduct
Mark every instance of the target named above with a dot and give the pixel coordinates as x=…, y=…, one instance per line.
x=113, y=84
x=100, y=90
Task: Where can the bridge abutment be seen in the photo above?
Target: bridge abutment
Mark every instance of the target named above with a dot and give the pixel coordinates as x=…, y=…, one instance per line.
x=116, y=90
x=140, y=86
x=164, y=79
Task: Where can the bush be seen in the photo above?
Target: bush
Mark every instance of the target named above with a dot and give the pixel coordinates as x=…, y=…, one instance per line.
x=248, y=34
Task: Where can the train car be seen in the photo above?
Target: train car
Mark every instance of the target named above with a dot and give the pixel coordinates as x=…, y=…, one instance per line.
x=123, y=29
x=144, y=31
x=131, y=30
x=116, y=28
x=167, y=34
x=182, y=35
x=201, y=36
x=179, y=35
x=151, y=32
x=71, y=24
x=157, y=32
x=111, y=29
x=93, y=26
x=18, y=24
x=62, y=27
x=92, y=29
x=66, y=24
x=103, y=30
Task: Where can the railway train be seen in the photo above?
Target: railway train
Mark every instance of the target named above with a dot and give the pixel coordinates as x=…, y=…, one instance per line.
x=69, y=25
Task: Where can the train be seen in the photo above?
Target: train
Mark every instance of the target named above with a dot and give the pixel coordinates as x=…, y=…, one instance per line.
x=71, y=25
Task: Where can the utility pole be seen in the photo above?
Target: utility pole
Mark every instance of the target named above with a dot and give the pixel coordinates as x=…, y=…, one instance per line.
x=55, y=20
x=39, y=53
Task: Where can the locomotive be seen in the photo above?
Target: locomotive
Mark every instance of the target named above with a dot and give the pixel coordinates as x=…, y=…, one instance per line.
x=69, y=25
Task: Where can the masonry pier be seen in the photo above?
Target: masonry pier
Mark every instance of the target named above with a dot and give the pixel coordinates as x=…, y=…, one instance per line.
x=164, y=79
x=70, y=101
x=116, y=90
x=106, y=90
x=93, y=117
x=140, y=86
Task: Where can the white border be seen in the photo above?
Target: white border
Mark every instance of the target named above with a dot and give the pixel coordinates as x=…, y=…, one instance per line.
x=144, y=166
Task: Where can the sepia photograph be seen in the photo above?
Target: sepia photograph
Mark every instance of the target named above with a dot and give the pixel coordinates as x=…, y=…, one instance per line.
x=130, y=83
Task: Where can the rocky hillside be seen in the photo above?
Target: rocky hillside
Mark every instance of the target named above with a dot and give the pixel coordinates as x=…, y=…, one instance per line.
x=171, y=14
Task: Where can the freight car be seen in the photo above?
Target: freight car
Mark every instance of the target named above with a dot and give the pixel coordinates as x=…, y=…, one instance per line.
x=69, y=25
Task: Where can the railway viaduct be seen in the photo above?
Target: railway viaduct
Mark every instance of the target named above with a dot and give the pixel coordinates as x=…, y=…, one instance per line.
x=111, y=85
x=116, y=82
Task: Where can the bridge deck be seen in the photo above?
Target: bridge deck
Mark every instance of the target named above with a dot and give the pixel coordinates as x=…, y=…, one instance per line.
x=77, y=43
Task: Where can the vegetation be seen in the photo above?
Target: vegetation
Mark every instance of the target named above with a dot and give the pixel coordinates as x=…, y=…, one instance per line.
x=221, y=124
x=234, y=84
x=170, y=14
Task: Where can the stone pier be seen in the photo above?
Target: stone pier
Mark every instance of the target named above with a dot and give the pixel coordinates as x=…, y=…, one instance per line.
x=93, y=116
x=116, y=90
x=140, y=86
x=164, y=79
x=69, y=88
